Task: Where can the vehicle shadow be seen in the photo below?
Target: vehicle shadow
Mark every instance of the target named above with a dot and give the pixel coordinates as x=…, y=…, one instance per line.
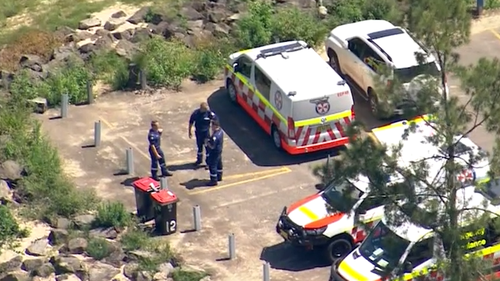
x=284, y=256
x=251, y=139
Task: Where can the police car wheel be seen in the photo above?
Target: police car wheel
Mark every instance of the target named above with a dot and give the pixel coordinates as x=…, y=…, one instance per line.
x=373, y=103
x=276, y=137
x=231, y=90
x=337, y=249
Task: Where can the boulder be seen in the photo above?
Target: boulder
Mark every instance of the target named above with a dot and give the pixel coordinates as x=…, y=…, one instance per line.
x=216, y=16
x=143, y=276
x=123, y=35
x=130, y=270
x=160, y=276
x=165, y=268
x=139, y=16
x=38, y=248
x=83, y=221
x=5, y=192
x=10, y=170
x=195, y=25
x=16, y=276
x=69, y=264
x=190, y=14
x=63, y=31
x=63, y=53
x=58, y=236
x=105, y=42
x=101, y=271
x=105, y=232
x=113, y=24
x=126, y=49
x=11, y=265
x=119, y=14
x=78, y=36
x=89, y=23
x=206, y=278
x=32, y=62
x=218, y=29
x=102, y=32
x=87, y=48
x=45, y=270
x=116, y=257
x=32, y=264
x=60, y=223
x=163, y=28
x=140, y=35
x=139, y=255
x=77, y=245
x=67, y=277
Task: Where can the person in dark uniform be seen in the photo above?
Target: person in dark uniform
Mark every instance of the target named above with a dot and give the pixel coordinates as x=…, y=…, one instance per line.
x=201, y=119
x=214, y=160
x=155, y=152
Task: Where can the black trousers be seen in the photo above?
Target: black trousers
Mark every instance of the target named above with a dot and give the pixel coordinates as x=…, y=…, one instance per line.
x=201, y=136
x=214, y=162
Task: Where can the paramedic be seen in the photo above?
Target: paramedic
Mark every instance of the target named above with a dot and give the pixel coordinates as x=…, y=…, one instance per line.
x=201, y=119
x=214, y=160
x=155, y=152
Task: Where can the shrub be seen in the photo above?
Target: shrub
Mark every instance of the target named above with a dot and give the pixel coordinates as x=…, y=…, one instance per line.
x=99, y=248
x=111, y=68
x=134, y=239
x=9, y=228
x=342, y=12
x=166, y=63
x=209, y=60
x=183, y=275
x=112, y=214
x=254, y=29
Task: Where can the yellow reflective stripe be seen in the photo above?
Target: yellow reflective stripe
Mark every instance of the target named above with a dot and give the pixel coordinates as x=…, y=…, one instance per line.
x=403, y=123
x=318, y=120
x=308, y=213
x=351, y=272
x=256, y=91
x=373, y=219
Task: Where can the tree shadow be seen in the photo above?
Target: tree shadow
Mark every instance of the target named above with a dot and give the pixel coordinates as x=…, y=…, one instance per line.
x=285, y=256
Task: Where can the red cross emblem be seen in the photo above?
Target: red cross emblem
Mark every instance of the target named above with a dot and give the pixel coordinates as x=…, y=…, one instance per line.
x=466, y=176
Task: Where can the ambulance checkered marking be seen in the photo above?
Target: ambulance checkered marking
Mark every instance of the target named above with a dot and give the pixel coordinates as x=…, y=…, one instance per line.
x=359, y=233
x=305, y=135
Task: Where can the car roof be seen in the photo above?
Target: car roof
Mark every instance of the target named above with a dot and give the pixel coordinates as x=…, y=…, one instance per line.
x=302, y=71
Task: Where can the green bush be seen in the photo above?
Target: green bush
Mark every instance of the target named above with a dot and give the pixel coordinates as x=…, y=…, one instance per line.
x=9, y=228
x=99, y=248
x=254, y=29
x=112, y=214
x=184, y=275
x=209, y=61
x=134, y=239
x=342, y=12
x=111, y=68
x=166, y=63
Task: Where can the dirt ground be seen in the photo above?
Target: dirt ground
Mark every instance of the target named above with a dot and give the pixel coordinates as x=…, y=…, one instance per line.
x=258, y=183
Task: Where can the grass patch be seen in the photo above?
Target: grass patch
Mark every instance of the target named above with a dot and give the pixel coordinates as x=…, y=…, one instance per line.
x=134, y=239
x=10, y=230
x=112, y=214
x=184, y=275
x=99, y=248
x=111, y=69
x=11, y=8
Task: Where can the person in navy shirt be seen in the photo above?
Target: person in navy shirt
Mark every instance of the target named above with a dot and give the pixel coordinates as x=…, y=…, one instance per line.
x=201, y=119
x=214, y=160
x=155, y=151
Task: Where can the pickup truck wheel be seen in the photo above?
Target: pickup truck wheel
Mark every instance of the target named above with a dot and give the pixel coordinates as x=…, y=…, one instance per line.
x=231, y=90
x=333, y=61
x=275, y=134
x=373, y=103
x=337, y=249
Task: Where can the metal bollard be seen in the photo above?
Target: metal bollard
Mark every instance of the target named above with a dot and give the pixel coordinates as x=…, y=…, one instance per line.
x=90, y=95
x=142, y=77
x=163, y=183
x=130, y=161
x=265, y=269
x=197, y=217
x=97, y=133
x=64, y=105
x=232, y=249
x=328, y=160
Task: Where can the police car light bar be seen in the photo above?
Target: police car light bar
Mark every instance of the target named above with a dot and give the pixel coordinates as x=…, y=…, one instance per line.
x=296, y=46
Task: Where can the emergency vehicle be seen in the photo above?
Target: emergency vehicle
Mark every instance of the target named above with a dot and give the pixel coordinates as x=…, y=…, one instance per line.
x=328, y=220
x=412, y=251
x=289, y=90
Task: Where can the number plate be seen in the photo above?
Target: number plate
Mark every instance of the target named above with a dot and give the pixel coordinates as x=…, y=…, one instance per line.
x=323, y=128
x=284, y=234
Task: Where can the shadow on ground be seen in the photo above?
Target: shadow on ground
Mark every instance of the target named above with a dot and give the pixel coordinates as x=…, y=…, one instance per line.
x=284, y=256
x=251, y=139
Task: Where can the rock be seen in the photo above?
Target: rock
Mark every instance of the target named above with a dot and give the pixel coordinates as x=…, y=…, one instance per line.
x=67, y=277
x=16, y=276
x=69, y=264
x=11, y=265
x=5, y=192
x=104, y=42
x=63, y=53
x=124, y=35
x=60, y=223
x=83, y=221
x=139, y=16
x=32, y=264
x=63, y=31
x=163, y=28
x=105, y=232
x=233, y=18
x=119, y=14
x=139, y=254
x=113, y=24
x=78, y=36
x=117, y=255
x=58, y=236
x=165, y=268
x=143, y=276
x=89, y=23
x=160, y=276
x=102, y=32
x=206, y=278
x=126, y=49
x=10, y=170
x=77, y=245
x=130, y=269
x=45, y=270
x=101, y=271
x=38, y=248
x=87, y=48
x=190, y=14
x=218, y=29
x=216, y=16
x=140, y=35
x=195, y=25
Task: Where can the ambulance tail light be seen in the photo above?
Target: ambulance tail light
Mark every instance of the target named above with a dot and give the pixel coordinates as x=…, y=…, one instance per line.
x=353, y=114
x=291, y=128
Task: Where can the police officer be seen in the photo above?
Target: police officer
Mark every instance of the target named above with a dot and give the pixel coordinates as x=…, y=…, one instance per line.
x=214, y=160
x=201, y=119
x=155, y=152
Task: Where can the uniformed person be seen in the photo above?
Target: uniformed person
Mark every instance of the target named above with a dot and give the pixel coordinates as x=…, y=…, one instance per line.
x=157, y=156
x=201, y=119
x=214, y=160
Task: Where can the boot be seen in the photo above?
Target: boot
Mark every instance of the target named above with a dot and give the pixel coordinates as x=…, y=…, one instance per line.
x=166, y=173
x=212, y=183
x=219, y=177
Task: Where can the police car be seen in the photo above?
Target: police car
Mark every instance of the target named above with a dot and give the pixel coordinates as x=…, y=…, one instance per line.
x=412, y=251
x=335, y=223
x=289, y=90
x=356, y=49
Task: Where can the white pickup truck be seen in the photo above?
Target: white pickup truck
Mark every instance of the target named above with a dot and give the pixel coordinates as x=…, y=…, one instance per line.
x=358, y=49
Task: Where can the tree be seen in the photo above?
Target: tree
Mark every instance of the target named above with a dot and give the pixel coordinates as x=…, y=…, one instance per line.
x=441, y=26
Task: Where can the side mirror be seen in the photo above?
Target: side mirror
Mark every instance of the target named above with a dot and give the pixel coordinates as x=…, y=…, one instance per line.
x=320, y=186
x=408, y=267
x=236, y=67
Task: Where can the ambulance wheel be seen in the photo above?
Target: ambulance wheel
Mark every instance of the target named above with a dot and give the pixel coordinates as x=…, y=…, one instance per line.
x=231, y=90
x=333, y=61
x=275, y=134
x=337, y=249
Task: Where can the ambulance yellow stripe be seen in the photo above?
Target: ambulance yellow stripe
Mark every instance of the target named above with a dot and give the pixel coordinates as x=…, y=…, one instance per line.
x=328, y=118
x=308, y=213
x=351, y=272
x=400, y=123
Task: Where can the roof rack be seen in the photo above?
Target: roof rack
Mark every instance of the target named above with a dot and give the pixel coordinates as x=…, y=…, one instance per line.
x=295, y=46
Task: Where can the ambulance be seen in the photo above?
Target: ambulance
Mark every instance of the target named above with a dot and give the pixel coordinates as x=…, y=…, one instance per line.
x=411, y=252
x=336, y=224
x=293, y=94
